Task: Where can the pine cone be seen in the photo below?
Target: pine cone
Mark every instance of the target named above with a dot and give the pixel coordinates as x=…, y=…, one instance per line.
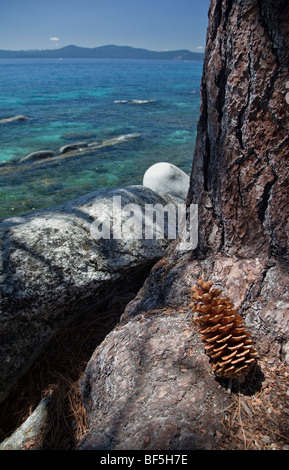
x=222, y=329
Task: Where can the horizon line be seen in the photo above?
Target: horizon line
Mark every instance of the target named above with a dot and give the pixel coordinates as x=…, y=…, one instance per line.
x=103, y=45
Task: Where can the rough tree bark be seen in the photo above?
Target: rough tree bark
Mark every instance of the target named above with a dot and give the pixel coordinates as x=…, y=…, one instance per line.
x=149, y=385
x=240, y=171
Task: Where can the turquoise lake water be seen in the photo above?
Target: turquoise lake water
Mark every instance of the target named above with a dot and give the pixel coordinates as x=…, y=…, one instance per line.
x=130, y=114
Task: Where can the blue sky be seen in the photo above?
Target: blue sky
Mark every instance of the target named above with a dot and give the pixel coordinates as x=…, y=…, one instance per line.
x=150, y=24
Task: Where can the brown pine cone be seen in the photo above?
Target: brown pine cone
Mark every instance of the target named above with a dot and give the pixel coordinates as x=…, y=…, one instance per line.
x=227, y=342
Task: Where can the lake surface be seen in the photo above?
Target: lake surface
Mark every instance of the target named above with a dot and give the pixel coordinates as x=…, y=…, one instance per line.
x=129, y=114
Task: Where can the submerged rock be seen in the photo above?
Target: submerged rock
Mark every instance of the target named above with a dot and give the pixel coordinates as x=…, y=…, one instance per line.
x=14, y=118
x=54, y=266
x=71, y=147
x=135, y=101
x=40, y=155
x=167, y=179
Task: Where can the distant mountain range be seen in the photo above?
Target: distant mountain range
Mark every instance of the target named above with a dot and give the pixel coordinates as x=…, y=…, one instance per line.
x=102, y=52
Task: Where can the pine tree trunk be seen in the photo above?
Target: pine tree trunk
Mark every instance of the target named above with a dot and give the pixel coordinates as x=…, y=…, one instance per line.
x=240, y=171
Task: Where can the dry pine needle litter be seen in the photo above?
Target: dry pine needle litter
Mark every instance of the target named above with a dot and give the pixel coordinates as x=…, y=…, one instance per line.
x=222, y=329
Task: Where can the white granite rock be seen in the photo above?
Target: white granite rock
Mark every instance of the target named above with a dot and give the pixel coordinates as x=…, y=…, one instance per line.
x=167, y=179
x=53, y=267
